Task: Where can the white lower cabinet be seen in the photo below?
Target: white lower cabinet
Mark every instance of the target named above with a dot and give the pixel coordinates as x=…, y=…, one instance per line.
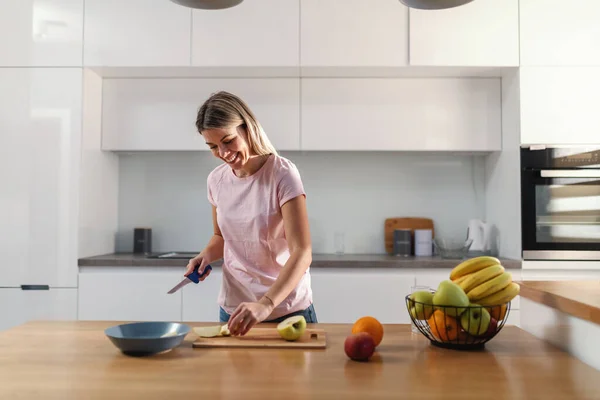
x=200, y=301
x=129, y=293
x=18, y=306
x=340, y=295
x=11, y=308
x=431, y=277
x=345, y=295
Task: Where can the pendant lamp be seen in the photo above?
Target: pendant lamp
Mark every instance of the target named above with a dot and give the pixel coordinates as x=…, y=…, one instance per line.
x=208, y=4
x=434, y=4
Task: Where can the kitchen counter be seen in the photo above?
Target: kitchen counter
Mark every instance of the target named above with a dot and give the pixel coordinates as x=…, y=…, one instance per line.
x=74, y=360
x=578, y=298
x=319, y=261
x=564, y=313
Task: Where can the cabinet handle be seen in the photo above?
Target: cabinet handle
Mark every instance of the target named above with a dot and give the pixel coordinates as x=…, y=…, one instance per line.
x=570, y=173
x=35, y=287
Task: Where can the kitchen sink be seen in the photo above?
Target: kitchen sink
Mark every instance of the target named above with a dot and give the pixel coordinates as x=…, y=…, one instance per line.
x=175, y=255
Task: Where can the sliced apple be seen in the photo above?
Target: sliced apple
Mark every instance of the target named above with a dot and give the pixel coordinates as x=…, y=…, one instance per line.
x=208, y=331
x=225, y=330
x=292, y=328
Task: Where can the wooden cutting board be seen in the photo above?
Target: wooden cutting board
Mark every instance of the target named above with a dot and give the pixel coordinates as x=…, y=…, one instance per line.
x=411, y=223
x=266, y=338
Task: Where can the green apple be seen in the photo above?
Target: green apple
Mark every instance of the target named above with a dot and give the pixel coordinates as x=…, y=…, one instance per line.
x=476, y=320
x=421, y=311
x=292, y=328
x=208, y=331
x=451, y=295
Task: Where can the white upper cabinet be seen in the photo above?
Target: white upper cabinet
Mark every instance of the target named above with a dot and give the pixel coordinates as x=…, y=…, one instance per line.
x=559, y=105
x=559, y=33
x=41, y=33
x=40, y=114
x=482, y=33
x=254, y=33
x=401, y=114
x=160, y=114
x=353, y=33
x=136, y=33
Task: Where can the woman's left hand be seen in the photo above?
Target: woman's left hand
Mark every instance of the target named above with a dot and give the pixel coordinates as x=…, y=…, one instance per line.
x=246, y=315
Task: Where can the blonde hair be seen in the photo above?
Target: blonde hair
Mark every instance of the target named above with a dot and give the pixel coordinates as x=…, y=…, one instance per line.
x=223, y=110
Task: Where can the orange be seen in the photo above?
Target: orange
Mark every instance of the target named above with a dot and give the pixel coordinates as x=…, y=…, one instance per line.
x=371, y=326
x=443, y=327
x=497, y=312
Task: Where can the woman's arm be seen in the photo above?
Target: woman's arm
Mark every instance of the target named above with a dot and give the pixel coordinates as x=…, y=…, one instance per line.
x=297, y=232
x=212, y=252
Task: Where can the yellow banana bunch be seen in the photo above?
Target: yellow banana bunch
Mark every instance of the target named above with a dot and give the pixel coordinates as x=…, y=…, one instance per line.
x=490, y=287
x=475, y=279
x=502, y=296
x=485, y=281
x=472, y=265
x=458, y=281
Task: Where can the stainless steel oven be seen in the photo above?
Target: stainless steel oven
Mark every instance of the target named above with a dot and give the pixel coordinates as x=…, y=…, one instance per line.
x=560, y=203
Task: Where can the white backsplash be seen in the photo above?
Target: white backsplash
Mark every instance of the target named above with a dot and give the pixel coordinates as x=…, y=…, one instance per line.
x=349, y=192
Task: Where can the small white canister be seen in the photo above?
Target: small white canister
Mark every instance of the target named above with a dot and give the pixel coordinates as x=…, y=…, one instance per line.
x=423, y=242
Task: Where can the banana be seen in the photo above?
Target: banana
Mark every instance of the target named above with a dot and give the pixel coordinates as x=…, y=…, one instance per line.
x=472, y=265
x=490, y=287
x=477, y=278
x=458, y=281
x=502, y=297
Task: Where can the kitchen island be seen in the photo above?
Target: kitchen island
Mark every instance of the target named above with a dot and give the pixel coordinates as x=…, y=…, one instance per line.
x=75, y=360
x=564, y=313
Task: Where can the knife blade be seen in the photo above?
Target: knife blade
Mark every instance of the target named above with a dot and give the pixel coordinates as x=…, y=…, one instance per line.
x=193, y=277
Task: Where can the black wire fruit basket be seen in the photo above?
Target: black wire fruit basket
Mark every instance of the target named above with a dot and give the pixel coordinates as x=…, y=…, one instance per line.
x=459, y=328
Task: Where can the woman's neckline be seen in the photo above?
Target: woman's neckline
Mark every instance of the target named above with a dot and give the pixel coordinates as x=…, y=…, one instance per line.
x=256, y=173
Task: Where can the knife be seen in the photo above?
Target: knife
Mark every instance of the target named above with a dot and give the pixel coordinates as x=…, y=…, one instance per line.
x=193, y=277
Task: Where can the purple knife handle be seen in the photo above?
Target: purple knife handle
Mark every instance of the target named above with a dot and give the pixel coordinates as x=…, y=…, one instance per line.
x=195, y=277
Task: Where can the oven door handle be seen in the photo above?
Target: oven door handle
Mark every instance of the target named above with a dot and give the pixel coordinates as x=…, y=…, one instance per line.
x=570, y=173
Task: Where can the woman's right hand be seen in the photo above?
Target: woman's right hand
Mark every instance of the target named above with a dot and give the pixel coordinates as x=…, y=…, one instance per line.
x=201, y=260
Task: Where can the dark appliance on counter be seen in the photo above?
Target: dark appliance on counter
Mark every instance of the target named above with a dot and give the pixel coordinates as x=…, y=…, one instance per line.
x=560, y=203
x=142, y=240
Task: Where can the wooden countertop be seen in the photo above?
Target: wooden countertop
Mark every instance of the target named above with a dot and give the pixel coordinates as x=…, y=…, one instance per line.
x=578, y=298
x=74, y=360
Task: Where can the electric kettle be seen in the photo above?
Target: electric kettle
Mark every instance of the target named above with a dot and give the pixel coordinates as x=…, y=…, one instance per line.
x=481, y=233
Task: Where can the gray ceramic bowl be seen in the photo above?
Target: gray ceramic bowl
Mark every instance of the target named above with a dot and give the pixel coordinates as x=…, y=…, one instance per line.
x=147, y=338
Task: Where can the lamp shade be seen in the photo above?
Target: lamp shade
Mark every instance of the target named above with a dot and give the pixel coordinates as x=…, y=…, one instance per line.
x=208, y=4
x=434, y=4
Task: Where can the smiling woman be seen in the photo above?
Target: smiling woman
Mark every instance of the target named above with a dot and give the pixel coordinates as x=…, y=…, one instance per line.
x=259, y=219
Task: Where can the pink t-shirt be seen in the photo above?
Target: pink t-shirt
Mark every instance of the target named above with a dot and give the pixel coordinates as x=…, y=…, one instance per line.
x=250, y=219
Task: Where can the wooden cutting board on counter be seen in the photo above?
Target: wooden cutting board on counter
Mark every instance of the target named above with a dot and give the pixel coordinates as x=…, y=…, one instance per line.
x=265, y=338
x=411, y=223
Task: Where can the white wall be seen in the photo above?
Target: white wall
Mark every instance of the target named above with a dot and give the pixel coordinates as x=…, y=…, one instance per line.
x=502, y=175
x=98, y=183
x=351, y=192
